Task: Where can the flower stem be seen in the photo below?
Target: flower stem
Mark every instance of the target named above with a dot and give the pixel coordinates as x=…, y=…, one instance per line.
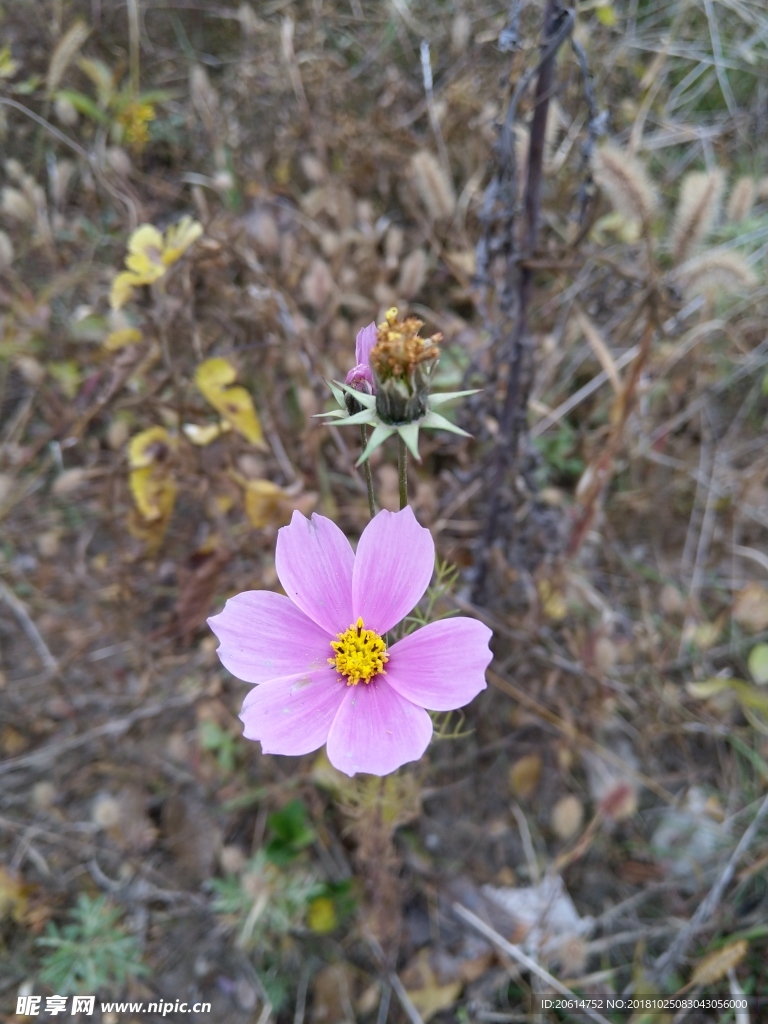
x=402, y=471
x=368, y=475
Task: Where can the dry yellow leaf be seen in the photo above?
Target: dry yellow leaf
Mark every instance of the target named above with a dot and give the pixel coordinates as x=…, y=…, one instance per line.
x=553, y=603
x=149, y=254
x=524, y=776
x=150, y=447
x=152, y=485
x=151, y=533
x=13, y=896
x=121, y=338
x=215, y=379
x=567, y=816
x=204, y=434
x=750, y=609
x=153, y=492
x=715, y=966
x=425, y=989
x=266, y=504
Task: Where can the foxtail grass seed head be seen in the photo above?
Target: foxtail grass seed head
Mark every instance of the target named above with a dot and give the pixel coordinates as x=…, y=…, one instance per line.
x=402, y=364
x=433, y=185
x=626, y=182
x=698, y=208
x=716, y=272
x=741, y=200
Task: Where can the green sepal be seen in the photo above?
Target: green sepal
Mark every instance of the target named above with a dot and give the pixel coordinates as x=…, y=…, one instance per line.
x=338, y=394
x=434, y=421
x=380, y=434
x=334, y=413
x=410, y=435
x=367, y=401
x=362, y=417
x=435, y=401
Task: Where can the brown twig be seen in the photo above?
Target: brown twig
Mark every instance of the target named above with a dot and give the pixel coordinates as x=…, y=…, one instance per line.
x=522, y=958
x=669, y=960
x=29, y=627
x=602, y=469
x=517, y=354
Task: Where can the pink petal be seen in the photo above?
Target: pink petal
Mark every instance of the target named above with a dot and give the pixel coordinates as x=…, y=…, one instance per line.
x=393, y=567
x=441, y=666
x=360, y=378
x=264, y=636
x=376, y=730
x=293, y=716
x=314, y=564
x=364, y=342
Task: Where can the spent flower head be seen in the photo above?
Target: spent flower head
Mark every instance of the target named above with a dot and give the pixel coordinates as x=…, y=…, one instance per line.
x=389, y=388
x=324, y=671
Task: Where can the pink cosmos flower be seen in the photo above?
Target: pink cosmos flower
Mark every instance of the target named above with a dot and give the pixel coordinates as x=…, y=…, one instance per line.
x=361, y=376
x=319, y=655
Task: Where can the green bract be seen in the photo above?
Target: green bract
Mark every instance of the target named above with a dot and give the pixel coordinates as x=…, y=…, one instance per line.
x=370, y=416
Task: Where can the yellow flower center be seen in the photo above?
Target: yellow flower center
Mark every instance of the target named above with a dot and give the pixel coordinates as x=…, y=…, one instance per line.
x=360, y=654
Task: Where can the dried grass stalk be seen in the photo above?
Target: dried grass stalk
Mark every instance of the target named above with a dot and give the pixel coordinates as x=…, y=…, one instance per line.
x=742, y=200
x=6, y=251
x=64, y=53
x=715, y=966
x=698, y=207
x=434, y=186
x=626, y=182
x=726, y=271
x=16, y=204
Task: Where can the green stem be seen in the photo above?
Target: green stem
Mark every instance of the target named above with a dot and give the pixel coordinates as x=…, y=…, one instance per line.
x=368, y=474
x=134, y=46
x=402, y=471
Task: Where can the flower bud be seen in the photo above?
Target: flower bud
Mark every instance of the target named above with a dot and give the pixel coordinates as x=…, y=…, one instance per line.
x=360, y=377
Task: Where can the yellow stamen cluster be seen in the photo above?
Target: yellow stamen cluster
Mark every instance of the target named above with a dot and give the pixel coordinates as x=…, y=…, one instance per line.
x=360, y=654
x=399, y=349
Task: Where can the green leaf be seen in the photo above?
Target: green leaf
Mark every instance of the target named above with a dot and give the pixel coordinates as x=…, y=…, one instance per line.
x=84, y=105
x=292, y=832
x=606, y=15
x=757, y=663
x=101, y=76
